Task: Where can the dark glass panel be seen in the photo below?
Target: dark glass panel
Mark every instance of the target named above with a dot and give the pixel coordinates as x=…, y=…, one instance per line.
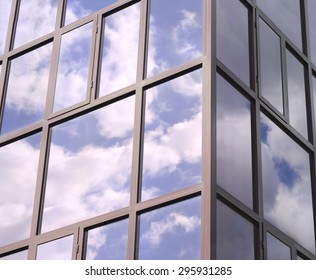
x=171, y=232
x=286, y=182
x=277, y=250
x=233, y=140
x=232, y=37
x=234, y=235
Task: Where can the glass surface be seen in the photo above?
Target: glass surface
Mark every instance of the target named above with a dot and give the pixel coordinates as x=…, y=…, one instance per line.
x=296, y=93
x=233, y=140
x=59, y=249
x=311, y=5
x=16, y=256
x=27, y=89
x=287, y=197
x=89, y=165
x=36, y=18
x=270, y=63
x=108, y=242
x=172, y=139
x=314, y=95
x=175, y=33
x=286, y=15
x=5, y=9
x=18, y=172
x=232, y=37
x=234, y=235
x=277, y=250
x=73, y=67
x=77, y=9
x=120, y=50
x=171, y=232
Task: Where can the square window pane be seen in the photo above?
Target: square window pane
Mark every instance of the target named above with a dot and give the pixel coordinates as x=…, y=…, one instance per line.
x=35, y=19
x=171, y=232
x=172, y=138
x=73, y=67
x=5, y=9
x=89, y=165
x=120, y=50
x=108, y=242
x=277, y=250
x=18, y=172
x=286, y=180
x=175, y=33
x=27, y=89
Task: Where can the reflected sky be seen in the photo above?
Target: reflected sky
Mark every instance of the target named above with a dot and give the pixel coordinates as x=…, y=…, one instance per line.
x=172, y=140
x=5, y=8
x=16, y=256
x=108, y=242
x=290, y=13
x=233, y=140
x=277, y=250
x=36, y=18
x=89, y=165
x=59, y=249
x=171, y=232
x=286, y=185
x=175, y=33
x=311, y=4
x=232, y=37
x=17, y=192
x=27, y=88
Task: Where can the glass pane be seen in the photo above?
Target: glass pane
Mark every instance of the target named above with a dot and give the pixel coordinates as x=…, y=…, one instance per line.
x=73, y=67
x=172, y=140
x=175, y=33
x=270, y=62
x=314, y=96
x=286, y=182
x=277, y=250
x=89, y=165
x=311, y=4
x=171, y=232
x=120, y=50
x=60, y=249
x=5, y=9
x=36, y=18
x=108, y=242
x=232, y=37
x=77, y=9
x=233, y=140
x=296, y=92
x=27, y=88
x=16, y=256
x=234, y=235
x=286, y=15
x=18, y=171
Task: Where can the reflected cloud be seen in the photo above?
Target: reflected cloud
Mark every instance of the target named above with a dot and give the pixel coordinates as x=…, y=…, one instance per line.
x=5, y=9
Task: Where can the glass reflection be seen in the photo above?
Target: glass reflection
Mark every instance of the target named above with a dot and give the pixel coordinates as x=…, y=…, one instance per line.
x=277, y=250
x=60, y=249
x=286, y=182
x=233, y=140
x=89, y=165
x=171, y=232
x=73, y=67
x=296, y=93
x=108, y=242
x=172, y=140
x=234, y=235
x=36, y=18
x=232, y=37
x=5, y=9
x=17, y=192
x=270, y=62
x=314, y=94
x=27, y=88
x=77, y=9
x=175, y=33
x=16, y=256
x=289, y=20
x=311, y=4
x=120, y=49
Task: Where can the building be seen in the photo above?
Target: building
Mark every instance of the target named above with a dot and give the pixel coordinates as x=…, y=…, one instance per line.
x=134, y=131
